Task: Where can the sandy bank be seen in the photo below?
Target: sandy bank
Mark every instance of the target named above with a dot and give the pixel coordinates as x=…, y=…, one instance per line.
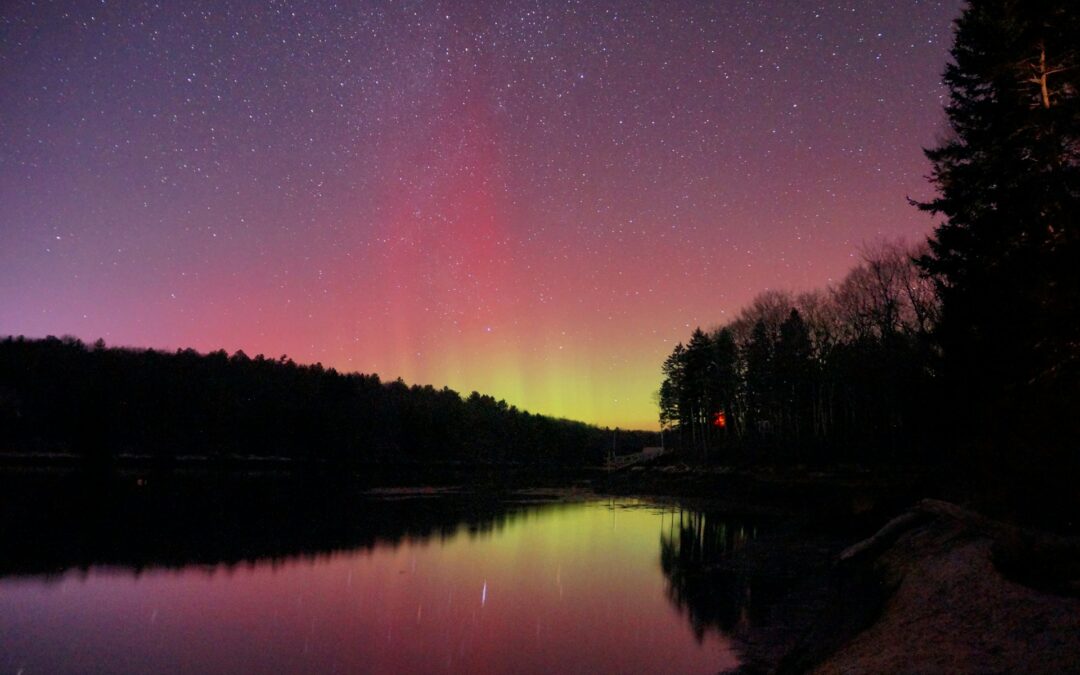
x=949, y=607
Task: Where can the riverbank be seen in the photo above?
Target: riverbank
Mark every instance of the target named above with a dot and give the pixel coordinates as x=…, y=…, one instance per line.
x=948, y=590
x=851, y=586
x=858, y=498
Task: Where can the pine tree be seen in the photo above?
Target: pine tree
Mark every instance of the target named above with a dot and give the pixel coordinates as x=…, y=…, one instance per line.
x=1007, y=256
x=700, y=384
x=672, y=391
x=1008, y=178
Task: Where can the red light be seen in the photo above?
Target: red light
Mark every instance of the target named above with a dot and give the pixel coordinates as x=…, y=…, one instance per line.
x=720, y=420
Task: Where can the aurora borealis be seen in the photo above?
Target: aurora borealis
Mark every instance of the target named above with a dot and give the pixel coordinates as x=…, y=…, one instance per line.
x=533, y=200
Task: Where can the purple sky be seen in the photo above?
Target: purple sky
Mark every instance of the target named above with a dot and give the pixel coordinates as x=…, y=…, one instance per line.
x=533, y=200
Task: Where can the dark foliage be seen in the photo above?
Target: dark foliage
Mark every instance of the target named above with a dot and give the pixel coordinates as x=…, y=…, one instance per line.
x=1008, y=181
x=979, y=345
x=1007, y=254
x=847, y=374
x=176, y=520
x=58, y=395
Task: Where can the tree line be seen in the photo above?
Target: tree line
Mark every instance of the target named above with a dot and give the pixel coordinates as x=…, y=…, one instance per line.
x=60, y=395
x=848, y=371
x=975, y=333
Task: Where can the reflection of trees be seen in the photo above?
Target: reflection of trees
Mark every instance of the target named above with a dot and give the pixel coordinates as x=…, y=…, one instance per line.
x=50, y=525
x=696, y=551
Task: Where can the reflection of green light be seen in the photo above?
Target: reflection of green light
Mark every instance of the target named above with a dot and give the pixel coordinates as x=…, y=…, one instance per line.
x=545, y=589
x=565, y=532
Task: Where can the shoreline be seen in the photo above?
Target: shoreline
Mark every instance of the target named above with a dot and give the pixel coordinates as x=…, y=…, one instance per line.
x=839, y=577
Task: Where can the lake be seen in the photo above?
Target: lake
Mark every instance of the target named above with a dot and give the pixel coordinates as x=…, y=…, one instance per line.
x=396, y=583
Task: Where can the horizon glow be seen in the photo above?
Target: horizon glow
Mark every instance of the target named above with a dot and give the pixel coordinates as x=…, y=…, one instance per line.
x=532, y=201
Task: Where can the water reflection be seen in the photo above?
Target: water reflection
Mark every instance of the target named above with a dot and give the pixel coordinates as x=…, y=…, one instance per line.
x=263, y=580
x=49, y=526
x=696, y=552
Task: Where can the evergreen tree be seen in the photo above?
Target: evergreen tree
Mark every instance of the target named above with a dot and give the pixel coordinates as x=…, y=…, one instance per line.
x=672, y=390
x=1008, y=252
x=1008, y=181
x=700, y=384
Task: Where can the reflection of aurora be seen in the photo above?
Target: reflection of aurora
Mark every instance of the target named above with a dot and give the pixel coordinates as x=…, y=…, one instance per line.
x=694, y=548
x=313, y=581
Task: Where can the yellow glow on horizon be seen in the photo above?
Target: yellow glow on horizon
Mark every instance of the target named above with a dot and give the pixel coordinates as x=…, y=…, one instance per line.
x=565, y=385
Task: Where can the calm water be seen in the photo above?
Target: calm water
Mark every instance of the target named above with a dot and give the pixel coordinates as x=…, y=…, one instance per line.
x=560, y=588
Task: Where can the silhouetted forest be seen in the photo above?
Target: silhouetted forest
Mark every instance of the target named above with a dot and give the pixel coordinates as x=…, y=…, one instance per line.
x=59, y=395
x=972, y=339
x=848, y=372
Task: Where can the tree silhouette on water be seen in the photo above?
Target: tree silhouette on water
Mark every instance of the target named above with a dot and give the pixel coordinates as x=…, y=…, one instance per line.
x=693, y=548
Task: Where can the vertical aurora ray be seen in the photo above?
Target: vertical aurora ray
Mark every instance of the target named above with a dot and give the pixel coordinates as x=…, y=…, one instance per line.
x=534, y=202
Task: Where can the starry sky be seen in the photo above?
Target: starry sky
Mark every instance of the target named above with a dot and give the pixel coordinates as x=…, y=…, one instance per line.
x=535, y=200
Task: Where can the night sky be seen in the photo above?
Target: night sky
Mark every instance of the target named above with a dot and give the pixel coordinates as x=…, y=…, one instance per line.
x=533, y=200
